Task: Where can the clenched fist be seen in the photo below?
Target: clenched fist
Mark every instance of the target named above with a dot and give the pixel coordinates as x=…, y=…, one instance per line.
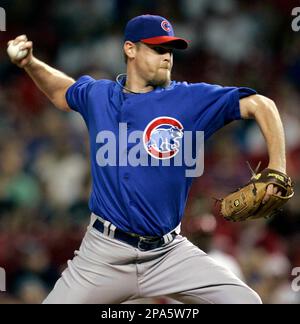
x=21, y=60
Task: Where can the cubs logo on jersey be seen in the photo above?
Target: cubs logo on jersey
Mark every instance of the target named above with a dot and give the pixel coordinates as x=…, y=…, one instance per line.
x=162, y=137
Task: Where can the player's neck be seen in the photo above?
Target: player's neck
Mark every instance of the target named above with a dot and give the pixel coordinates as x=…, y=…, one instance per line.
x=136, y=84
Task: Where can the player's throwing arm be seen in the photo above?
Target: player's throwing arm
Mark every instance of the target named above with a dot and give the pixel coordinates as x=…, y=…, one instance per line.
x=50, y=81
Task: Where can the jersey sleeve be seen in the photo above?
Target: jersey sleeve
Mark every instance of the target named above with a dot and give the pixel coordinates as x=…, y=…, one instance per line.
x=77, y=94
x=217, y=106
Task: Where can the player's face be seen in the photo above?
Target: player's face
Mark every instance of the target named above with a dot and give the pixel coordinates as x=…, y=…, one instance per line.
x=154, y=63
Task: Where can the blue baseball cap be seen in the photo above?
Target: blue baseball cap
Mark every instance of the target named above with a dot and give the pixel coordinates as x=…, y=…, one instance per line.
x=153, y=30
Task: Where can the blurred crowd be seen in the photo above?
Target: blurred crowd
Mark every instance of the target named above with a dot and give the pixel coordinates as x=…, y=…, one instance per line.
x=44, y=153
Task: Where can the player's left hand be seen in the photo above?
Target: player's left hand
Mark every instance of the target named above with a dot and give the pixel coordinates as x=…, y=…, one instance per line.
x=264, y=195
x=271, y=190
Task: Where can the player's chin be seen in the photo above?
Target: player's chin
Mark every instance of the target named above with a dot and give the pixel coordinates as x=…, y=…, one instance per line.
x=162, y=79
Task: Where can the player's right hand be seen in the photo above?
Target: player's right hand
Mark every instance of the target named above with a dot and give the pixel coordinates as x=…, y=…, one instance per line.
x=27, y=45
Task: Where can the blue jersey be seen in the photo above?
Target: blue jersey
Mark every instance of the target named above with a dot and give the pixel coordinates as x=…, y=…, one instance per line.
x=147, y=199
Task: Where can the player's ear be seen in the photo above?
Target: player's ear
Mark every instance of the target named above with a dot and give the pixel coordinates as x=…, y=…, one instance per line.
x=130, y=49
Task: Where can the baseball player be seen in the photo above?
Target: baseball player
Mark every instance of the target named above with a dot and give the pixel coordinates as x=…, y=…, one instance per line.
x=133, y=247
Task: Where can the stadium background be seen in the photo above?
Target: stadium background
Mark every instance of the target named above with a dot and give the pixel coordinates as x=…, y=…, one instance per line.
x=44, y=165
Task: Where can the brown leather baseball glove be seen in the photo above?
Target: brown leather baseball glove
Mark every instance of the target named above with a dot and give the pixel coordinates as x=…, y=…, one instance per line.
x=247, y=202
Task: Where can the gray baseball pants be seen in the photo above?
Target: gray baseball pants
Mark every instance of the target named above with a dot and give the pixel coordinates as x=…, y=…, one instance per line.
x=108, y=271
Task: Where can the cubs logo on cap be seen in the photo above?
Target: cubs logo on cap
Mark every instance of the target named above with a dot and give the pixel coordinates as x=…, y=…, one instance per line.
x=153, y=30
x=162, y=137
x=165, y=25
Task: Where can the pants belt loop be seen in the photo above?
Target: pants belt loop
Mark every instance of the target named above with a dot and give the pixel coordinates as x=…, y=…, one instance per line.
x=100, y=218
x=106, y=228
x=178, y=229
x=112, y=231
x=168, y=237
